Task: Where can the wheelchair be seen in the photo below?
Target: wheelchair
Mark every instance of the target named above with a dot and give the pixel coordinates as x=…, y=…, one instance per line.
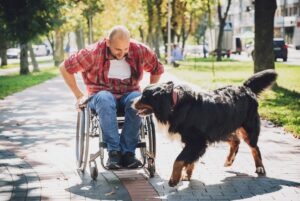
x=88, y=127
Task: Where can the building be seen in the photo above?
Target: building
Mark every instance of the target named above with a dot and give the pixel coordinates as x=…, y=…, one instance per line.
x=286, y=20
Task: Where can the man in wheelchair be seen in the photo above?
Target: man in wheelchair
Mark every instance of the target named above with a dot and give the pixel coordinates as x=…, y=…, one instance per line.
x=112, y=70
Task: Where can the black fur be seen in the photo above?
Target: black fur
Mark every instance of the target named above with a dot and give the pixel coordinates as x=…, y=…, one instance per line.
x=205, y=117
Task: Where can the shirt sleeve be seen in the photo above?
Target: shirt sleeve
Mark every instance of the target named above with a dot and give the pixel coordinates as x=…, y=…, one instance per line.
x=151, y=62
x=80, y=61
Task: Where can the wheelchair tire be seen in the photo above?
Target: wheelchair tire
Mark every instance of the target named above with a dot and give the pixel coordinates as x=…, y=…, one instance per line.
x=82, y=138
x=93, y=170
x=148, y=135
x=151, y=136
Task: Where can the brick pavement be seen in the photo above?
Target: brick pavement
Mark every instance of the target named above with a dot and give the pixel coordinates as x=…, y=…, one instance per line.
x=37, y=159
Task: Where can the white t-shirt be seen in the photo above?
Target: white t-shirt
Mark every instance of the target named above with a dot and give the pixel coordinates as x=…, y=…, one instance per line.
x=119, y=69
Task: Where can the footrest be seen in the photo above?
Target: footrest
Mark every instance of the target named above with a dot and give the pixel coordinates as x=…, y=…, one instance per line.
x=141, y=144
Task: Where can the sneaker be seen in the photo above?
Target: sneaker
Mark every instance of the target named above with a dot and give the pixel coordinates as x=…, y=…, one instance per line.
x=114, y=160
x=130, y=161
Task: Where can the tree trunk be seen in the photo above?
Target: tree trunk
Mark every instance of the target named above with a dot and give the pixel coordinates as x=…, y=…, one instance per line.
x=50, y=38
x=150, y=22
x=24, y=66
x=222, y=21
x=59, y=49
x=141, y=31
x=3, y=56
x=79, y=38
x=158, y=27
x=3, y=48
x=90, y=28
x=220, y=38
x=264, y=31
x=186, y=33
x=33, y=60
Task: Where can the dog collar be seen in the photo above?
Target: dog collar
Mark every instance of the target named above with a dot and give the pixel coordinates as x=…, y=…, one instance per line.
x=174, y=96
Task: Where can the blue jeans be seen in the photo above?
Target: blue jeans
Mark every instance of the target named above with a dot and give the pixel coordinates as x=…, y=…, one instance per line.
x=106, y=106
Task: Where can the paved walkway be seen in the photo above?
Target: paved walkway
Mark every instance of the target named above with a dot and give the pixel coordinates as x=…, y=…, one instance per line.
x=37, y=134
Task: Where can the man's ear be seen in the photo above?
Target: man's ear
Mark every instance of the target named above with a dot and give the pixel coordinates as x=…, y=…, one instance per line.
x=107, y=42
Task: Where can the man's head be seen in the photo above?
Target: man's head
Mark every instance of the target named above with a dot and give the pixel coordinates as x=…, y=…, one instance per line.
x=118, y=41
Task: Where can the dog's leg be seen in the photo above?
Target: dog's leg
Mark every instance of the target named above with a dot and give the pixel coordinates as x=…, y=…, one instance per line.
x=188, y=168
x=186, y=159
x=255, y=152
x=177, y=173
x=234, y=142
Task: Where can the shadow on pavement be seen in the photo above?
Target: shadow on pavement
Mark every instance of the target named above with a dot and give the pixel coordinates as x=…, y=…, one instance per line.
x=240, y=186
x=106, y=187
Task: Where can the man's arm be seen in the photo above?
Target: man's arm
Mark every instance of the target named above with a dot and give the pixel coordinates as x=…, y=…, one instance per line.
x=154, y=79
x=71, y=81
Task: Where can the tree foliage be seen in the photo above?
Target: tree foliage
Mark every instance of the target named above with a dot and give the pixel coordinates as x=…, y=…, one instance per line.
x=26, y=19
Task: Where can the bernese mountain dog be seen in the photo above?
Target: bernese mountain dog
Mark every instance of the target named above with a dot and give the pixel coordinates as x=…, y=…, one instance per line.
x=226, y=114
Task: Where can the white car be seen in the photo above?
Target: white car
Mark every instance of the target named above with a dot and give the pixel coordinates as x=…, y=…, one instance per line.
x=13, y=53
x=40, y=50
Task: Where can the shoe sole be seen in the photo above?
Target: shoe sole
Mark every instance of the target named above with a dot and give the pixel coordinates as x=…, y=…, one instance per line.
x=113, y=166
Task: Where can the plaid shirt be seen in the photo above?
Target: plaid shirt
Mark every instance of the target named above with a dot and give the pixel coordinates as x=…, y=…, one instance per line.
x=94, y=64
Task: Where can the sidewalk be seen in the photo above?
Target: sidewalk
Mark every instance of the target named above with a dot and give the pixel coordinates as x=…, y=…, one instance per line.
x=37, y=162
x=16, y=70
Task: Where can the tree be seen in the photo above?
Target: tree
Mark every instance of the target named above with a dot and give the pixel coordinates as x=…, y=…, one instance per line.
x=92, y=7
x=3, y=39
x=264, y=31
x=222, y=21
x=26, y=19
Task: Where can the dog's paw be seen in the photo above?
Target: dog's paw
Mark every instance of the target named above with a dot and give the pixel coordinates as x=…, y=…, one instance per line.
x=186, y=178
x=260, y=171
x=173, y=182
x=227, y=163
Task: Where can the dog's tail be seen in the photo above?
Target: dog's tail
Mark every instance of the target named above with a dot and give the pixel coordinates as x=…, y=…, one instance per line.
x=261, y=80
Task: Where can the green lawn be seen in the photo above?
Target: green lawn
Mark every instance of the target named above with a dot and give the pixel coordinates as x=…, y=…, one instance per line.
x=16, y=65
x=10, y=84
x=10, y=66
x=281, y=105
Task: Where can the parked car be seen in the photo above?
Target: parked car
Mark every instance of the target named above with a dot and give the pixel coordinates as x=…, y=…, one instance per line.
x=13, y=53
x=280, y=49
x=40, y=50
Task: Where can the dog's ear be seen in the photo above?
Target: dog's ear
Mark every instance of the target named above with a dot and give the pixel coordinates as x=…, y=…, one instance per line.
x=169, y=86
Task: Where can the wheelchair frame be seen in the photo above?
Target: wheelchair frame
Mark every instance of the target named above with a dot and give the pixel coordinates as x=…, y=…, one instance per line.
x=88, y=126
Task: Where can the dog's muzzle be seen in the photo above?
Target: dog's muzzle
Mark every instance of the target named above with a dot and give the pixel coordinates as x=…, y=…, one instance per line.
x=142, y=109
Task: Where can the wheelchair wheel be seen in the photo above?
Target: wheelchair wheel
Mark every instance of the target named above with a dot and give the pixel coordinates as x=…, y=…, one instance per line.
x=150, y=132
x=82, y=138
x=149, y=151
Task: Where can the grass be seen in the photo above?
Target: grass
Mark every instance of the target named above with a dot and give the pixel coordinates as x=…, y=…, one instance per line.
x=281, y=105
x=10, y=66
x=10, y=84
x=16, y=65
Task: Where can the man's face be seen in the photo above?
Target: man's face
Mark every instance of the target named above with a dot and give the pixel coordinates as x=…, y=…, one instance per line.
x=118, y=47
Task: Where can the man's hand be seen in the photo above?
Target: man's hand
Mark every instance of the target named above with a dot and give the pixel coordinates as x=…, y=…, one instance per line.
x=154, y=79
x=81, y=102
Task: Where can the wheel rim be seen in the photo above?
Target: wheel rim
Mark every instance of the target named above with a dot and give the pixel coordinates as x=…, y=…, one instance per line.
x=80, y=137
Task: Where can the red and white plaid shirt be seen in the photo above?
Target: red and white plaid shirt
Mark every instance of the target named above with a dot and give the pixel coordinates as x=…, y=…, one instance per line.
x=94, y=64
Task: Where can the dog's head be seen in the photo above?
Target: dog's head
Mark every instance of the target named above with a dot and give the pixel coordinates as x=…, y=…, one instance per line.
x=157, y=99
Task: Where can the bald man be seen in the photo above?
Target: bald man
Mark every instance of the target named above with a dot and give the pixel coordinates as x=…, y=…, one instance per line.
x=112, y=70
